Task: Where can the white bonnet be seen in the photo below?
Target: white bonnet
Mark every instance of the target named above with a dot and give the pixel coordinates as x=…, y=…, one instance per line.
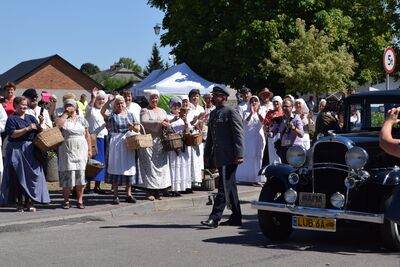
x=149, y=93
x=277, y=98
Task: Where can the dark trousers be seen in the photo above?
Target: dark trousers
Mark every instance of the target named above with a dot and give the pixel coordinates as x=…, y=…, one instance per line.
x=282, y=153
x=227, y=176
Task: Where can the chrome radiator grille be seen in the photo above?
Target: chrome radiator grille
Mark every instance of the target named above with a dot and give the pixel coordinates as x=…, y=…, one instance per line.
x=329, y=168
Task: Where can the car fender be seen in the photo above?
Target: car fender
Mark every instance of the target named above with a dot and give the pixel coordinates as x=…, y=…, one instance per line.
x=389, y=177
x=277, y=171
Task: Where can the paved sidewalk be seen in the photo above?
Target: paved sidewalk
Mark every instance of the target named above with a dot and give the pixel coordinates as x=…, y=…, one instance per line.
x=100, y=205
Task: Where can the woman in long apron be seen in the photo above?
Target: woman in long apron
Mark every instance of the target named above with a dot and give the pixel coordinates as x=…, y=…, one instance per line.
x=121, y=167
x=154, y=164
x=179, y=161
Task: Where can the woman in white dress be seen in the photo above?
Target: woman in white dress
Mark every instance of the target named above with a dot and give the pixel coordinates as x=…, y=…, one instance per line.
x=121, y=166
x=73, y=153
x=179, y=161
x=254, y=144
x=302, y=110
x=196, y=118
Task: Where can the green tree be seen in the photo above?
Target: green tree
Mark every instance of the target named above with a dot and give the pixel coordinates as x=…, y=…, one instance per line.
x=113, y=83
x=129, y=64
x=155, y=62
x=226, y=41
x=89, y=68
x=308, y=63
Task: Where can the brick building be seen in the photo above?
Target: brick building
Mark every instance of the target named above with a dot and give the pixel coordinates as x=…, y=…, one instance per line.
x=52, y=74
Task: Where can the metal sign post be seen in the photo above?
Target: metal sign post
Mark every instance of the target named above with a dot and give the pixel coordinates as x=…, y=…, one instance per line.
x=389, y=63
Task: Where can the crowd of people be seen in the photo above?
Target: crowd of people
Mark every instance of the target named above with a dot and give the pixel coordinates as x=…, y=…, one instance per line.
x=271, y=124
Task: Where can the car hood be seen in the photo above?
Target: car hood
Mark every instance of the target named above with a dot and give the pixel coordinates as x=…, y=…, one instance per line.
x=370, y=142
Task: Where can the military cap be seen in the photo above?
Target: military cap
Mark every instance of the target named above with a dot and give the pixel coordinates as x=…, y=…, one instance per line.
x=220, y=90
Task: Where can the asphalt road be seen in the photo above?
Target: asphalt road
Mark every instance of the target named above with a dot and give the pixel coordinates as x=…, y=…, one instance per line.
x=175, y=238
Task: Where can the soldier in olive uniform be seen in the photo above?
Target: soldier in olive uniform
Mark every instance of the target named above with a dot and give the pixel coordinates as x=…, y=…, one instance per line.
x=224, y=146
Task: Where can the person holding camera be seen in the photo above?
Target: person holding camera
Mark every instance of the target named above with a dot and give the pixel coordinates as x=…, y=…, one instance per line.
x=290, y=130
x=391, y=146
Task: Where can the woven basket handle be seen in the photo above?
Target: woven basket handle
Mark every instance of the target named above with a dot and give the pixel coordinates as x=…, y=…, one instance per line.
x=142, y=128
x=129, y=121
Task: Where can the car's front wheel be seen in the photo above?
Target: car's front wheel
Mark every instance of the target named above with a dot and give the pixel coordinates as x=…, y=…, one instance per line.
x=390, y=231
x=276, y=226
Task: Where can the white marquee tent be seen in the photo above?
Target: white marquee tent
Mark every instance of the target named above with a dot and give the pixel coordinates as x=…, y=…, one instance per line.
x=177, y=80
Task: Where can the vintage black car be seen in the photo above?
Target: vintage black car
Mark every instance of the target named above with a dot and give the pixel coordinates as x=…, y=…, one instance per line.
x=343, y=177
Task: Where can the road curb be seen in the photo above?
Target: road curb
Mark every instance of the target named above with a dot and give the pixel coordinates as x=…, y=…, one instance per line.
x=140, y=208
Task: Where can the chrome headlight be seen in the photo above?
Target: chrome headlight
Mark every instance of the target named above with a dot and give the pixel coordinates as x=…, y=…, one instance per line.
x=338, y=200
x=350, y=182
x=356, y=157
x=293, y=178
x=296, y=156
x=290, y=196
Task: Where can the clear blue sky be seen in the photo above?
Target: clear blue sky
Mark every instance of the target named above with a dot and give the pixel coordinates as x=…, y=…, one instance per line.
x=80, y=31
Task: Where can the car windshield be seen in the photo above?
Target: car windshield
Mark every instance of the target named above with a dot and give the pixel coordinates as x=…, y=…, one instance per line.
x=367, y=115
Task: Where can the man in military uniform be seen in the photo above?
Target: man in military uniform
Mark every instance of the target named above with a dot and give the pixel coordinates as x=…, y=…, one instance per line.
x=224, y=146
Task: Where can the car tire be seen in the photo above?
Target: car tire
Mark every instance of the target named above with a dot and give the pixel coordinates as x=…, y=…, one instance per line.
x=389, y=230
x=276, y=226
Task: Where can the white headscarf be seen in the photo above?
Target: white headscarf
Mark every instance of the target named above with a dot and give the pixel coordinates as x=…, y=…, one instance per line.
x=249, y=106
x=277, y=98
x=149, y=93
x=101, y=94
x=291, y=97
x=70, y=102
x=304, y=108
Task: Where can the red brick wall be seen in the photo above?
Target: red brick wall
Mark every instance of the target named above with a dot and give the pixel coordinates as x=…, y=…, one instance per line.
x=56, y=74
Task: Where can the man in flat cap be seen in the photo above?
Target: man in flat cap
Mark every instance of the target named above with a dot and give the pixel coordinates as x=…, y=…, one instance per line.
x=224, y=146
x=242, y=106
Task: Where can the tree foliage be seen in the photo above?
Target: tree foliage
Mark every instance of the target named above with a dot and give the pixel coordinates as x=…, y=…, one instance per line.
x=309, y=63
x=227, y=41
x=109, y=83
x=89, y=68
x=129, y=63
x=155, y=62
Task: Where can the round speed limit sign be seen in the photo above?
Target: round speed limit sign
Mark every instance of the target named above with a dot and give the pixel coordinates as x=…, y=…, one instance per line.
x=389, y=60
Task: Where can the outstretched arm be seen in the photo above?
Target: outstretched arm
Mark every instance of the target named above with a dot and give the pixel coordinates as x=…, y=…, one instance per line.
x=386, y=141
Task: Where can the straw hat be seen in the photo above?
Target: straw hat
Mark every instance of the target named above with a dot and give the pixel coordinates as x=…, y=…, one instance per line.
x=265, y=93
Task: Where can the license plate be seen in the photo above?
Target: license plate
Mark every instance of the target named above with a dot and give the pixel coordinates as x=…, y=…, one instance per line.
x=315, y=200
x=317, y=224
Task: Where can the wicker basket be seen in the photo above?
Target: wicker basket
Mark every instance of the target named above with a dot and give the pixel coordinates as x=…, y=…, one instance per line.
x=192, y=139
x=93, y=167
x=48, y=139
x=208, y=183
x=171, y=140
x=139, y=140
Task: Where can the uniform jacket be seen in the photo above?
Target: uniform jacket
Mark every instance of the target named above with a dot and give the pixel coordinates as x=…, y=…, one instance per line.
x=225, y=137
